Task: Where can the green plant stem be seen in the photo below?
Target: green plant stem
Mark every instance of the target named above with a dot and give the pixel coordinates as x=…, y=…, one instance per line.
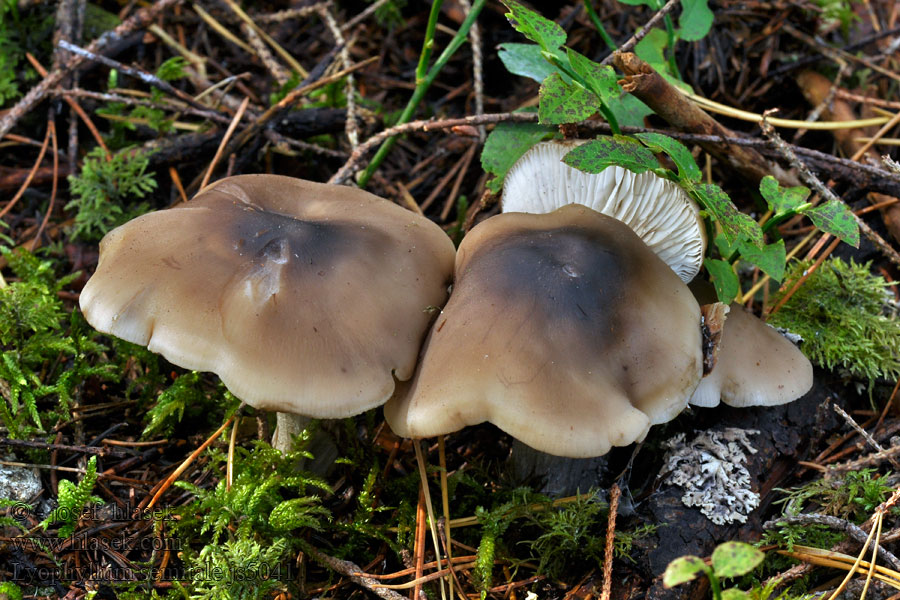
x=714, y=585
x=598, y=24
x=670, y=50
x=422, y=87
x=428, y=44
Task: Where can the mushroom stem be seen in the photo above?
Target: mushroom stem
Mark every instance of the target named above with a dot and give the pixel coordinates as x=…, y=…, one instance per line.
x=287, y=426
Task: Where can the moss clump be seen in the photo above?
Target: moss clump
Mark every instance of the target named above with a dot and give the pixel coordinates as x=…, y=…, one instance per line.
x=844, y=315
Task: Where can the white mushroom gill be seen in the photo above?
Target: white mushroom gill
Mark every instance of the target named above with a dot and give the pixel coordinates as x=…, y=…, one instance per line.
x=659, y=211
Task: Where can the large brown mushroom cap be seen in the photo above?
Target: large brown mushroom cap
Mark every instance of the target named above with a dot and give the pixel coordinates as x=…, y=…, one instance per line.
x=302, y=297
x=756, y=366
x=564, y=330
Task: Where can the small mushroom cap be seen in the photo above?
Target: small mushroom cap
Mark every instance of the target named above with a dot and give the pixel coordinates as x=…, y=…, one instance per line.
x=564, y=330
x=756, y=366
x=658, y=210
x=302, y=297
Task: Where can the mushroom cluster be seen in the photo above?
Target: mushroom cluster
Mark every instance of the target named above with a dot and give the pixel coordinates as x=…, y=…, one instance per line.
x=570, y=325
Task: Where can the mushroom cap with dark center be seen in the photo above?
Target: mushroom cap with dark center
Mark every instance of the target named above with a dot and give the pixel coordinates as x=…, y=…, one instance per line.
x=564, y=329
x=302, y=297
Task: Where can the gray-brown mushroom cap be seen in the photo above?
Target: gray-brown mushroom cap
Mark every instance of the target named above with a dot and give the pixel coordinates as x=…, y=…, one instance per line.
x=302, y=297
x=564, y=329
x=756, y=366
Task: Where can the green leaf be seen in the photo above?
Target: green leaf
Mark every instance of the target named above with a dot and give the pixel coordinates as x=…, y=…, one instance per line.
x=735, y=224
x=684, y=569
x=695, y=20
x=505, y=145
x=678, y=152
x=770, y=258
x=563, y=102
x=782, y=200
x=544, y=32
x=835, y=218
x=723, y=278
x=599, y=79
x=526, y=60
x=623, y=151
x=732, y=559
x=735, y=594
x=650, y=49
x=650, y=3
x=629, y=111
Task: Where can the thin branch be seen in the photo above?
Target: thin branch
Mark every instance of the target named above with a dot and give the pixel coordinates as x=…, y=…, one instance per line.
x=355, y=162
x=352, y=571
x=638, y=36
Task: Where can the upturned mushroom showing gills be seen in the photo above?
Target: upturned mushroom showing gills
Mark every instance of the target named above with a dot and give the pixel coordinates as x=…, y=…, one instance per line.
x=563, y=329
x=303, y=297
x=658, y=210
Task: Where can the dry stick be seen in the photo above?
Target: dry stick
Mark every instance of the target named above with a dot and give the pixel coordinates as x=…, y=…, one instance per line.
x=351, y=128
x=354, y=163
x=396, y=574
x=51, y=125
x=810, y=179
x=75, y=107
x=173, y=105
x=140, y=74
x=614, y=494
x=445, y=505
x=229, y=464
x=280, y=74
x=362, y=16
x=862, y=432
x=224, y=142
x=137, y=21
x=477, y=67
x=643, y=82
x=352, y=571
x=419, y=543
x=222, y=30
x=285, y=55
x=98, y=450
x=187, y=462
x=285, y=103
x=638, y=36
x=423, y=475
x=424, y=578
x=443, y=182
x=457, y=183
x=28, y=179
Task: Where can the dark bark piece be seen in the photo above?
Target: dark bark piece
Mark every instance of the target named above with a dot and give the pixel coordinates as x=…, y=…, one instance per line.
x=785, y=434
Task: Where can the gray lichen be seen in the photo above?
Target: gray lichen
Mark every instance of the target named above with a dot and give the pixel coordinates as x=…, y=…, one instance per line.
x=711, y=471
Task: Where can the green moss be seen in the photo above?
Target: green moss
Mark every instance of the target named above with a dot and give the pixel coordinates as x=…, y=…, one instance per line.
x=842, y=312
